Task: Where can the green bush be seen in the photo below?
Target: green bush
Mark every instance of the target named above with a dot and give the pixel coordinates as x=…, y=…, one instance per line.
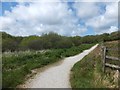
x=17, y=66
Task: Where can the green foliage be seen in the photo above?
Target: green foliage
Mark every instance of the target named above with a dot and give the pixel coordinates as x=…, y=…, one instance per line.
x=10, y=43
x=26, y=41
x=76, y=40
x=88, y=73
x=16, y=66
x=82, y=74
x=46, y=41
x=51, y=41
x=13, y=77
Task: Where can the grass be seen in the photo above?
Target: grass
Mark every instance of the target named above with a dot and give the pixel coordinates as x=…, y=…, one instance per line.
x=88, y=73
x=16, y=66
x=114, y=52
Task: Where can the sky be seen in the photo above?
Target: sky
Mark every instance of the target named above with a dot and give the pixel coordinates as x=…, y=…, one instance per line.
x=68, y=18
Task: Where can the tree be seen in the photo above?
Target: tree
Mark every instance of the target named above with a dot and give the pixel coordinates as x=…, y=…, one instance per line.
x=9, y=44
x=76, y=40
x=24, y=45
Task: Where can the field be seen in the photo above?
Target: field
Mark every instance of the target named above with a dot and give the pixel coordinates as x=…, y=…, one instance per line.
x=88, y=73
x=17, y=65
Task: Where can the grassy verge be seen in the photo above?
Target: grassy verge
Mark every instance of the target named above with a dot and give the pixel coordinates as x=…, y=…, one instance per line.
x=16, y=66
x=87, y=73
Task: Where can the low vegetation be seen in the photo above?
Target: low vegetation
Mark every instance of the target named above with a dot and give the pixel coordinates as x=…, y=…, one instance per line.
x=88, y=73
x=17, y=65
x=23, y=54
x=51, y=41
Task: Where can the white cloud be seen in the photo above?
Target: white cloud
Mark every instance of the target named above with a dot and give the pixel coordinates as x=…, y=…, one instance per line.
x=112, y=29
x=90, y=13
x=47, y=13
x=103, y=23
x=41, y=17
x=86, y=10
x=96, y=0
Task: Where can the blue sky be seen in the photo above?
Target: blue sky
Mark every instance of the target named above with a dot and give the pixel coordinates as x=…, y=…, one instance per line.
x=65, y=18
x=6, y=6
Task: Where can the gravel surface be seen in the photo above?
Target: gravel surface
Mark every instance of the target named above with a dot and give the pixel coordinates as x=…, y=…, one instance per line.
x=56, y=76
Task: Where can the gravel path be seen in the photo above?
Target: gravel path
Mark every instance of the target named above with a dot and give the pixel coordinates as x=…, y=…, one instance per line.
x=56, y=76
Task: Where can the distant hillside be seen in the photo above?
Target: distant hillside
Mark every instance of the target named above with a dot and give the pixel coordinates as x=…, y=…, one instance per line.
x=51, y=40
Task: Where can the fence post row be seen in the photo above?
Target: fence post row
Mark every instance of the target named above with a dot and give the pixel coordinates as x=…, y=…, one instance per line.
x=105, y=57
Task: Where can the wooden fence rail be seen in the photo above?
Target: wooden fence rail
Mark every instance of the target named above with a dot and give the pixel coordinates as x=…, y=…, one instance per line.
x=106, y=57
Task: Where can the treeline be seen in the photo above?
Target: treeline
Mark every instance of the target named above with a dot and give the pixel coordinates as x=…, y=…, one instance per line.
x=51, y=40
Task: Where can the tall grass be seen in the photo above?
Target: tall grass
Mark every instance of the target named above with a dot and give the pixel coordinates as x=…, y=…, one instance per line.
x=17, y=65
x=88, y=73
x=83, y=72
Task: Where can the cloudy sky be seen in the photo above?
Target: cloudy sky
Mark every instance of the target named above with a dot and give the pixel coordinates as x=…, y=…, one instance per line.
x=65, y=17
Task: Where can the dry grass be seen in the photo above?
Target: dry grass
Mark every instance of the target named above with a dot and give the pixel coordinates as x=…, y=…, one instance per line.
x=88, y=73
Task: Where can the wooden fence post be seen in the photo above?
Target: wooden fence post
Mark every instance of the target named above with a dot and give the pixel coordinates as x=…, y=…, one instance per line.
x=119, y=79
x=104, y=58
x=102, y=49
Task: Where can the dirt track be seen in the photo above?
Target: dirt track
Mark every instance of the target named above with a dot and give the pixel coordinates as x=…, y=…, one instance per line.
x=56, y=76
